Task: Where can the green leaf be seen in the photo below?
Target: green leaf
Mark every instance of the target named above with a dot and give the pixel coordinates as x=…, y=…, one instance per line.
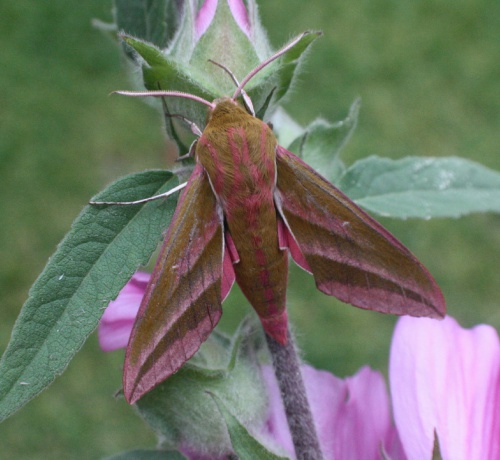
x=182, y=412
x=152, y=20
x=289, y=64
x=182, y=45
x=422, y=187
x=148, y=454
x=258, y=33
x=162, y=72
x=151, y=53
x=275, y=79
x=103, y=249
x=244, y=444
x=321, y=143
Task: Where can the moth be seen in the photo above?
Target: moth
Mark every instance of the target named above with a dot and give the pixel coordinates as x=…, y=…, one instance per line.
x=247, y=205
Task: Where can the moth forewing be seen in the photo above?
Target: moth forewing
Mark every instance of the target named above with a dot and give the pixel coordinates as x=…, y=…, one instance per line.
x=182, y=303
x=351, y=256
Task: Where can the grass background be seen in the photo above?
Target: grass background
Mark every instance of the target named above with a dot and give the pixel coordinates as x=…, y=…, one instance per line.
x=428, y=74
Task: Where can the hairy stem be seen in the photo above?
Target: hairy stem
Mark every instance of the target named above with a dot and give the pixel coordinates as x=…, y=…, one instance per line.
x=287, y=369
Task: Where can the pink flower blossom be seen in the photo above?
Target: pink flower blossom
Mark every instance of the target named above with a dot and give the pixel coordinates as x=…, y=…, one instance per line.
x=207, y=12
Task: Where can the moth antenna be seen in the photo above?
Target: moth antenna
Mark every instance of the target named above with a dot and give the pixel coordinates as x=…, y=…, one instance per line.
x=166, y=94
x=227, y=70
x=145, y=200
x=246, y=98
x=263, y=64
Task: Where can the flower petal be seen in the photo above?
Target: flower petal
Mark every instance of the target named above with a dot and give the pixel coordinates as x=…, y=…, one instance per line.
x=446, y=379
x=118, y=318
x=240, y=15
x=352, y=416
x=204, y=17
x=364, y=425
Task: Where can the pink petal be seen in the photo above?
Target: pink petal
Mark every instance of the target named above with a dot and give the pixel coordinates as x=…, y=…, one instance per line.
x=118, y=318
x=446, y=379
x=240, y=15
x=207, y=12
x=352, y=416
x=204, y=17
x=364, y=426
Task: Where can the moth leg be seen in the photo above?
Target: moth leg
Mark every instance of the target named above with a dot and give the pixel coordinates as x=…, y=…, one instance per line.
x=192, y=125
x=190, y=154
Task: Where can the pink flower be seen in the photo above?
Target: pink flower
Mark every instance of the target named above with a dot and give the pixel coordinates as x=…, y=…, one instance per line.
x=446, y=380
x=207, y=12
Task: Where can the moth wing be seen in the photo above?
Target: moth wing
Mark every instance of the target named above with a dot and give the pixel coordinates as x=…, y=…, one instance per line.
x=350, y=255
x=182, y=303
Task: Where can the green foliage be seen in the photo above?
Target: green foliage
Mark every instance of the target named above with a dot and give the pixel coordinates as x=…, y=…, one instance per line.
x=211, y=403
x=182, y=412
x=163, y=72
x=422, y=187
x=244, y=444
x=104, y=248
x=289, y=65
x=321, y=143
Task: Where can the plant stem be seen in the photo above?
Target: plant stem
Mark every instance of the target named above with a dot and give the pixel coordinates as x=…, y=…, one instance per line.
x=287, y=369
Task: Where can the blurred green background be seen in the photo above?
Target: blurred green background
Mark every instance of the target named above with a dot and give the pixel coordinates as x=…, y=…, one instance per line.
x=428, y=74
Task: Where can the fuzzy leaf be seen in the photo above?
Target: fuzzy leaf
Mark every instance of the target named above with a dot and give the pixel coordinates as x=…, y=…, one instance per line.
x=148, y=454
x=162, y=72
x=150, y=52
x=258, y=33
x=244, y=444
x=321, y=143
x=104, y=247
x=422, y=187
x=272, y=83
x=289, y=64
x=152, y=20
x=183, y=42
x=182, y=412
